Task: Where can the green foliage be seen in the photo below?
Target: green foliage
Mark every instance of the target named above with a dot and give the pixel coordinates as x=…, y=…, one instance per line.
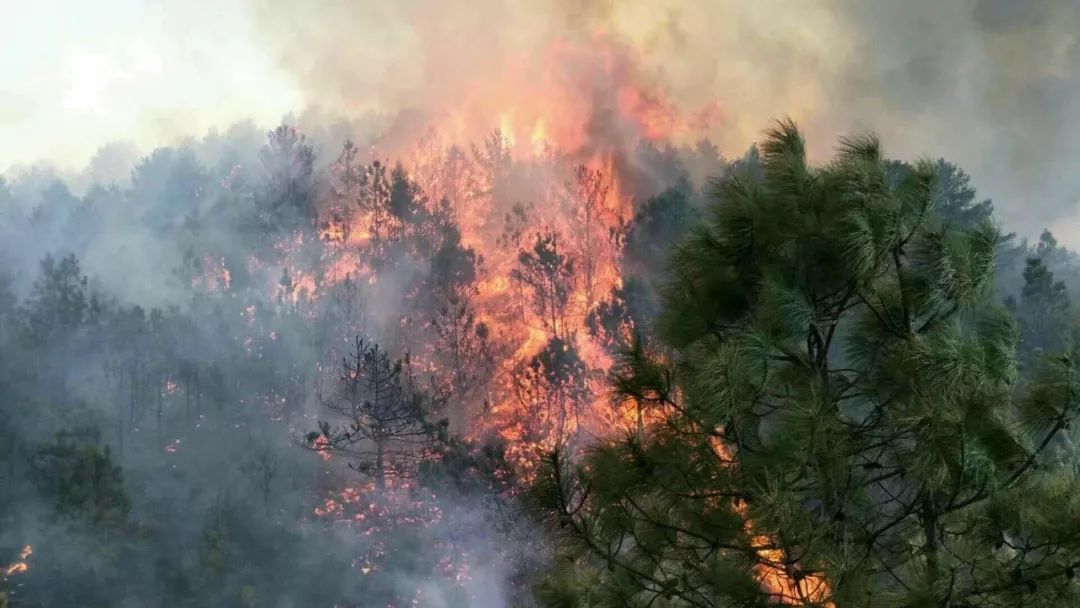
x=569, y=586
x=840, y=419
x=248, y=597
x=212, y=553
x=60, y=301
x=1043, y=311
x=79, y=477
x=289, y=163
x=657, y=226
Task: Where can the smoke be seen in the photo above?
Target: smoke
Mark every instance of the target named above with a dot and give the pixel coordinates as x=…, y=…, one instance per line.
x=200, y=393
x=987, y=84
x=982, y=83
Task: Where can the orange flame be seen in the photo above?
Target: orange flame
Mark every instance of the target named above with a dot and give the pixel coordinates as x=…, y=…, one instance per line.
x=20, y=566
x=568, y=124
x=777, y=579
x=322, y=447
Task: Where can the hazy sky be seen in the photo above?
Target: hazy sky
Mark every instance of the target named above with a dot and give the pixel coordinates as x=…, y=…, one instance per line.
x=989, y=84
x=76, y=74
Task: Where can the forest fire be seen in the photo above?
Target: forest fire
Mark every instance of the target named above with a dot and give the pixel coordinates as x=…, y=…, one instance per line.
x=542, y=203
x=530, y=222
x=539, y=209
x=20, y=566
x=540, y=303
x=775, y=571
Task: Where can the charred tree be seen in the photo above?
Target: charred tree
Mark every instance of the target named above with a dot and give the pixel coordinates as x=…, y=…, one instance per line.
x=590, y=193
x=262, y=469
x=549, y=274
x=463, y=347
x=552, y=389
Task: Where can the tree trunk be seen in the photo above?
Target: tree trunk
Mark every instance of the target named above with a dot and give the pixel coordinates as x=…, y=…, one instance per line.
x=930, y=531
x=380, y=472
x=160, y=397
x=198, y=394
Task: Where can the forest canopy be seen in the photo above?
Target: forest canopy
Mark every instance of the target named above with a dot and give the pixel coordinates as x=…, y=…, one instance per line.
x=268, y=369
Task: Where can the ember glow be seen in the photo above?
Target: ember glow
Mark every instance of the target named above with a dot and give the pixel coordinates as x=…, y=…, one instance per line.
x=535, y=172
x=775, y=571
x=20, y=566
x=542, y=177
x=486, y=191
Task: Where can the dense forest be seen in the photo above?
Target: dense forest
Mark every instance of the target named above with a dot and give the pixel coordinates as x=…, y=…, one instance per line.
x=284, y=369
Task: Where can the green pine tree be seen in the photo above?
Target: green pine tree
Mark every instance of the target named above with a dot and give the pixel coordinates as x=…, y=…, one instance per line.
x=79, y=476
x=842, y=421
x=1043, y=312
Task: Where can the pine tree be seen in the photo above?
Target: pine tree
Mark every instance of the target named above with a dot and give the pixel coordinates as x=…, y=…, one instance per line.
x=77, y=474
x=60, y=300
x=1043, y=312
x=384, y=428
x=549, y=274
x=842, y=422
x=289, y=163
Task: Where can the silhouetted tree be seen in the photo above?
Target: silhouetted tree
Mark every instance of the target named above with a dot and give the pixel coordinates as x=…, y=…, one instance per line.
x=553, y=391
x=262, y=468
x=463, y=348
x=346, y=180
x=656, y=228
x=289, y=162
x=167, y=187
x=549, y=275
x=60, y=300
x=384, y=429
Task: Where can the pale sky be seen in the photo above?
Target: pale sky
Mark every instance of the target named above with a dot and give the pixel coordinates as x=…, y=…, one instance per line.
x=77, y=74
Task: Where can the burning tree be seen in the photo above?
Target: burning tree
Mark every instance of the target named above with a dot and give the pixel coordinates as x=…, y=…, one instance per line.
x=376, y=189
x=456, y=178
x=346, y=178
x=493, y=162
x=462, y=354
x=384, y=431
x=589, y=196
x=552, y=385
x=553, y=391
x=549, y=275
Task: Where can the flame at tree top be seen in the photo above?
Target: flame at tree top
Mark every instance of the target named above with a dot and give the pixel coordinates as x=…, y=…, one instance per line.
x=533, y=166
x=499, y=234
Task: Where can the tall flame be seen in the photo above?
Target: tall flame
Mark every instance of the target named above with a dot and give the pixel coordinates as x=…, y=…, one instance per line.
x=535, y=167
